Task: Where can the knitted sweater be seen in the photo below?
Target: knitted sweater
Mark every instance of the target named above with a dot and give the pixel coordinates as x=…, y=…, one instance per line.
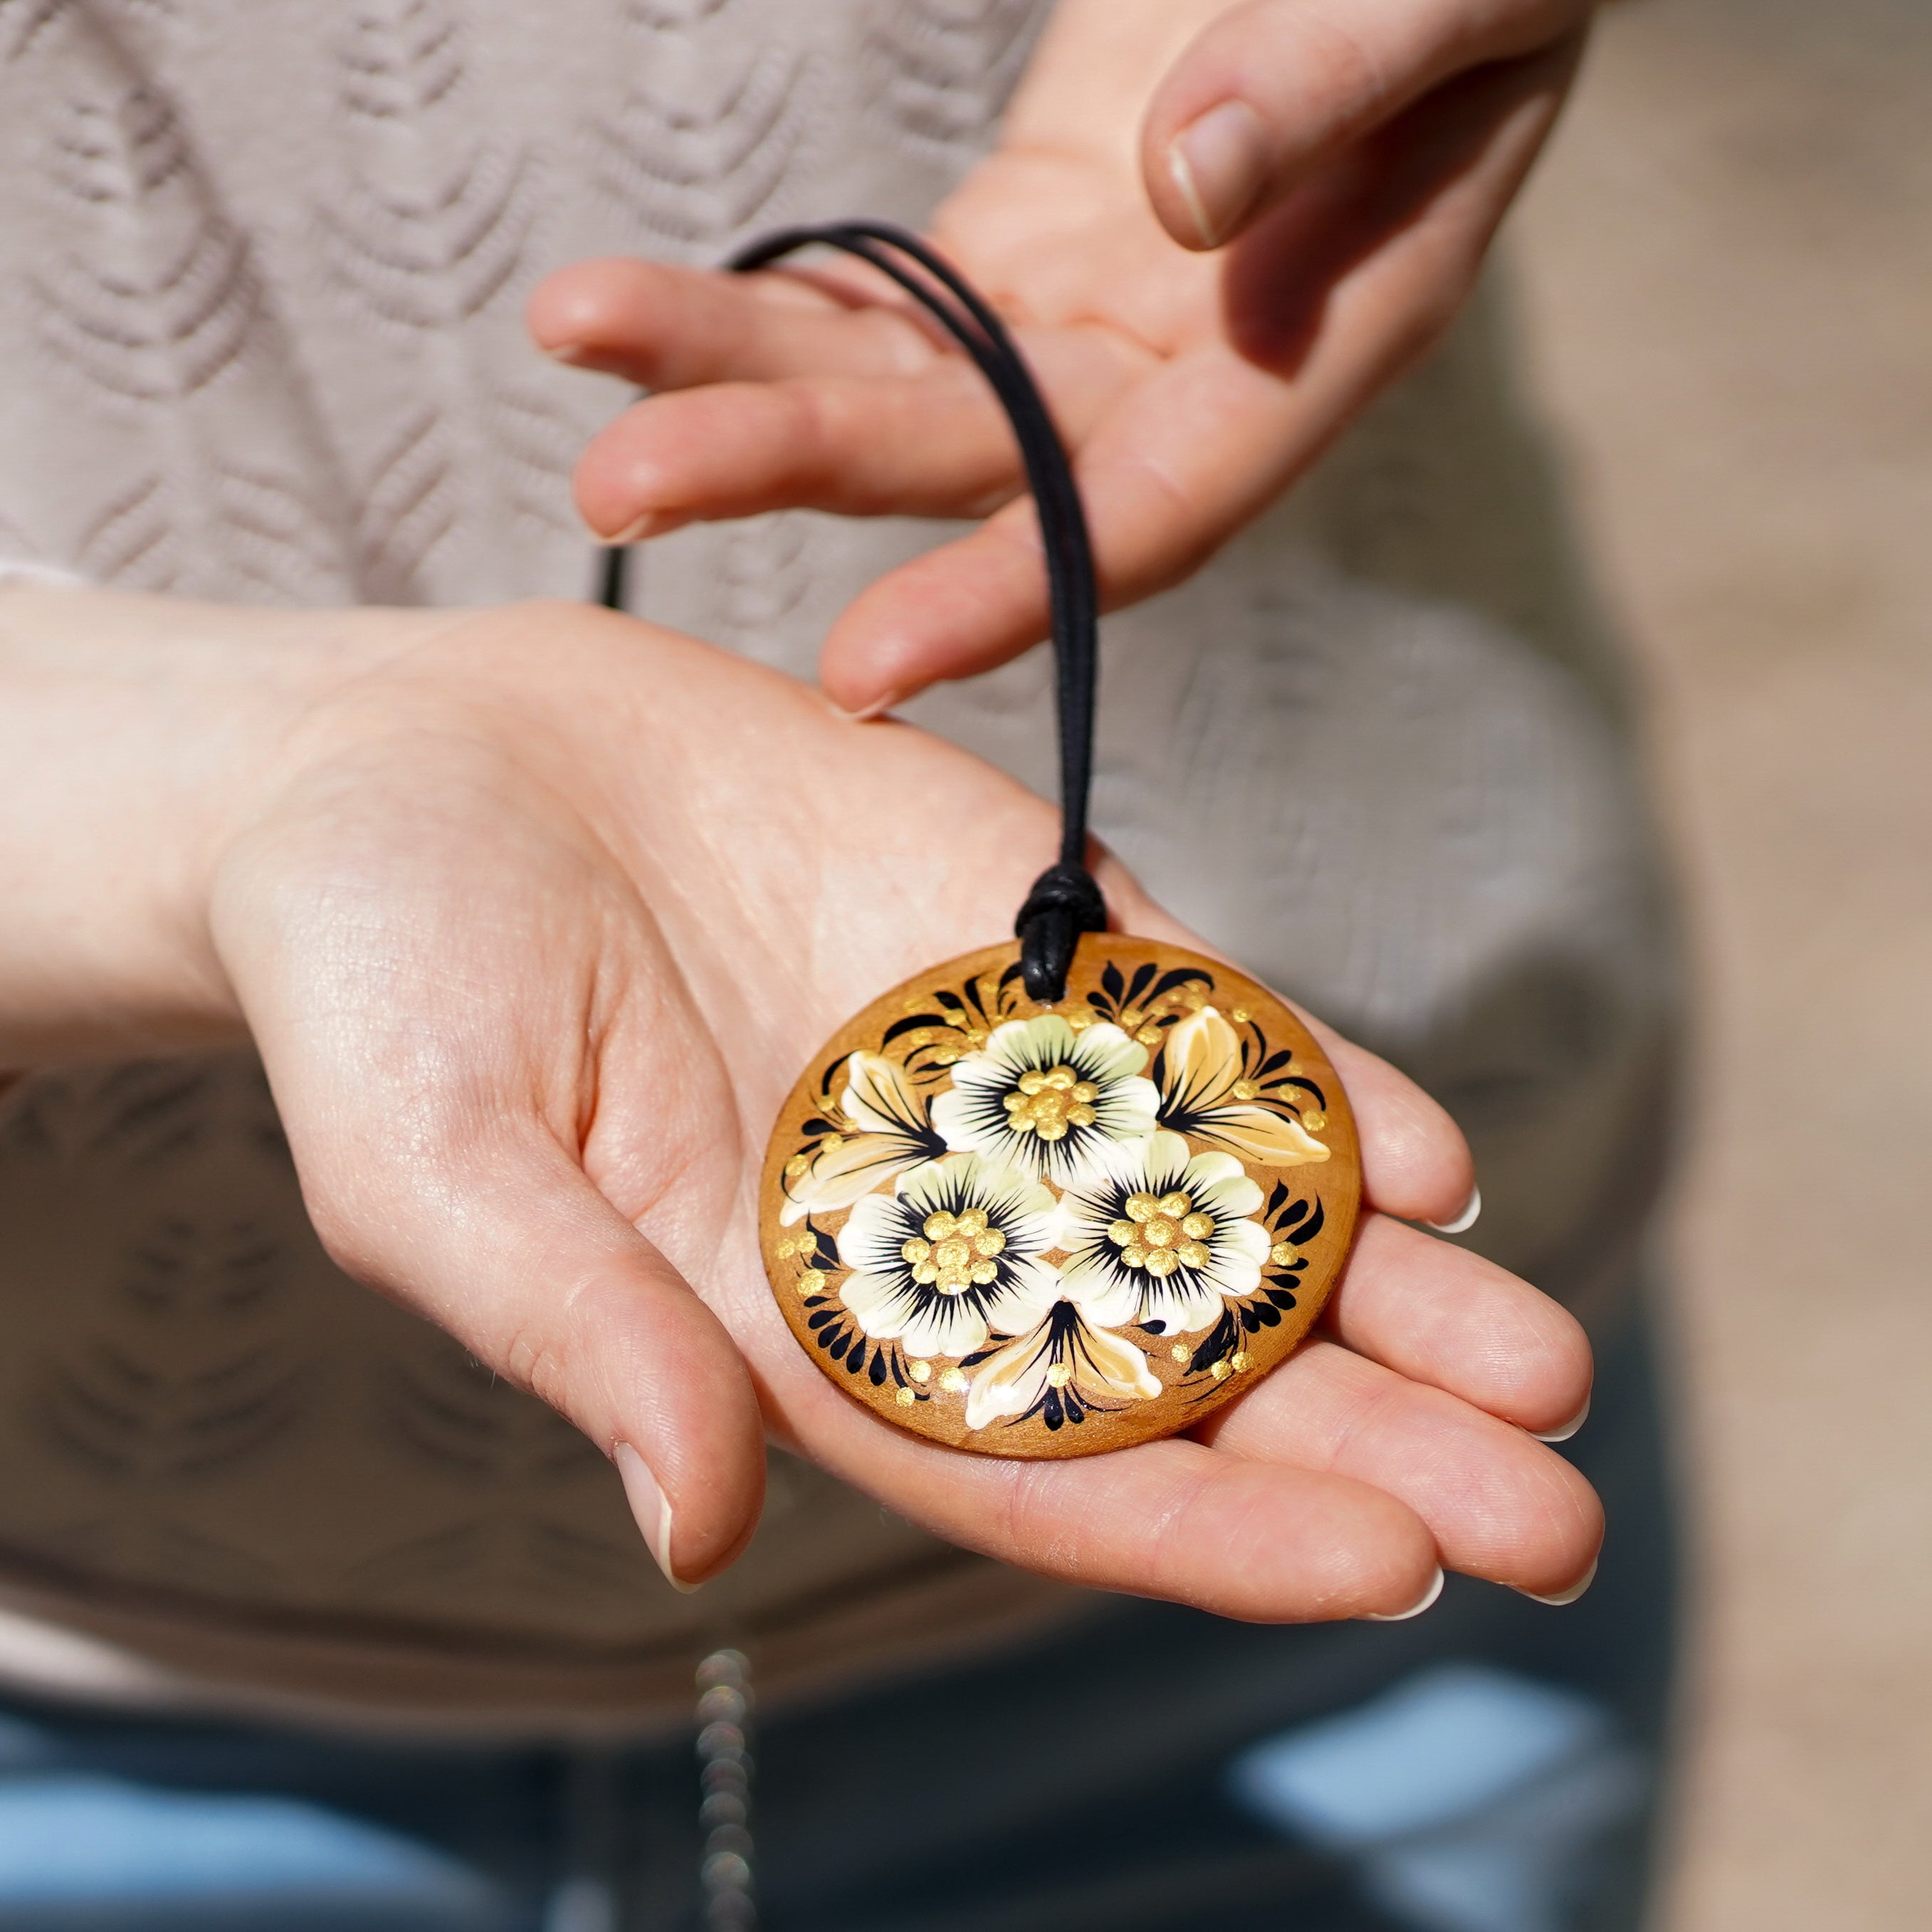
x=260, y=341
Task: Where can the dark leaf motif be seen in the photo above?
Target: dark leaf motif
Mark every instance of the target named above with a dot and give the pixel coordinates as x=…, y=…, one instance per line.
x=1223, y=1339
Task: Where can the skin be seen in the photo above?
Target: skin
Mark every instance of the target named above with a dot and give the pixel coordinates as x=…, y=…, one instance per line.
x=1194, y=371
x=533, y=949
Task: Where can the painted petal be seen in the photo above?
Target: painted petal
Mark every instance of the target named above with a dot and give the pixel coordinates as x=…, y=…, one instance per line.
x=878, y=1303
x=839, y=1175
x=1010, y=1382
x=1182, y=1309
x=1239, y=1249
x=1111, y=1365
x=1204, y=1058
x=1260, y=1135
x=966, y=1128
x=986, y=1068
x=945, y=1325
x=872, y=1234
x=878, y=1099
x=1129, y=1105
x=1231, y=1195
x=1106, y=1053
x=1110, y=1300
x=1031, y=1287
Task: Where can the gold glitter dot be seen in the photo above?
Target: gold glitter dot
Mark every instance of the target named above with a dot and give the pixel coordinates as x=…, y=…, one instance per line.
x=1059, y=1376
x=1240, y=1360
x=953, y=1380
x=797, y=1166
x=1176, y=1204
x=811, y=1282
x=1194, y=1254
x=1220, y=1372
x=1315, y=1123
x=785, y=1249
x=1179, y=1352
x=1162, y=1263
x=906, y=1398
x=1149, y=1035
x=831, y=1143
x=1079, y=1022
x=1124, y=1234
x=1135, y=1256
x=1284, y=1254
x=945, y=1057
x=915, y=1250
x=1140, y=1206
x=992, y=1242
x=1130, y=1018
x=1047, y=1103
x=1240, y=1016
x=915, y=1002
x=1194, y=999
x=921, y=1372
x=1197, y=1226
x=1245, y=1090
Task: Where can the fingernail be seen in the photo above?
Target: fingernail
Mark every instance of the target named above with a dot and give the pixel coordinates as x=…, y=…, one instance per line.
x=1563, y=1596
x=877, y=709
x=652, y=1510
x=1219, y=164
x=569, y=353
x=1429, y=1596
x=1463, y=1222
x=652, y=524
x=1569, y=1428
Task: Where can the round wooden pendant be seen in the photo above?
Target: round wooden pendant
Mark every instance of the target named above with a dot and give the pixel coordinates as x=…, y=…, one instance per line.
x=1047, y=1230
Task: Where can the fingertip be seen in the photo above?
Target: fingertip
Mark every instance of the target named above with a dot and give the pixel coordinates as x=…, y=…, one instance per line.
x=571, y=308
x=965, y=608
x=1416, y=1164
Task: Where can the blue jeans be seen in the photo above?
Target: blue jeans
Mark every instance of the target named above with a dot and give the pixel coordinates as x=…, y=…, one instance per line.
x=1489, y=1767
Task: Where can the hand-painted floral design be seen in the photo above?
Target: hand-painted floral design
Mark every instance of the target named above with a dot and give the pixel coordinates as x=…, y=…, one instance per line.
x=1160, y=1238
x=950, y=1257
x=886, y=1131
x=1058, y=1370
x=1003, y=1221
x=1208, y=1090
x=1045, y=1098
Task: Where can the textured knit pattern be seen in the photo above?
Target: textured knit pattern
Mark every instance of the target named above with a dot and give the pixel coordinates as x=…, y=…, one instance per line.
x=263, y=342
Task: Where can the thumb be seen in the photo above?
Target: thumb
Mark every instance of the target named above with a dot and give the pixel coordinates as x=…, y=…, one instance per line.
x=500, y=1239
x=1274, y=87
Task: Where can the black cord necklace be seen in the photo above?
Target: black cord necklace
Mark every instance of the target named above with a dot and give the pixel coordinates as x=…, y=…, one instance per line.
x=1066, y=901
x=1069, y=1195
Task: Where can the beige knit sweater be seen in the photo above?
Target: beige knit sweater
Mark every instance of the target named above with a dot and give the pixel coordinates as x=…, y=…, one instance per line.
x=259, y=341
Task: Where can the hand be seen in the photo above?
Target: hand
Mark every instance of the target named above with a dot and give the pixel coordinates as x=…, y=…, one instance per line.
x=533, y=947
x=1362, y=152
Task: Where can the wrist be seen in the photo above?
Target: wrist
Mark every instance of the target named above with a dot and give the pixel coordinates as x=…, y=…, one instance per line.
x=134, y=731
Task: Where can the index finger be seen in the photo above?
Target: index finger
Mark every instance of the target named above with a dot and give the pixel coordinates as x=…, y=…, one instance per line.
x=664, y=327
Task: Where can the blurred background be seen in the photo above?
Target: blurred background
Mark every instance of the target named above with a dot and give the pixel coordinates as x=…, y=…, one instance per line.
x=1725, y=271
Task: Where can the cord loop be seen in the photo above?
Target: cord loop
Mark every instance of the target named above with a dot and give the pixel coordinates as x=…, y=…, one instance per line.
x=1066, y=901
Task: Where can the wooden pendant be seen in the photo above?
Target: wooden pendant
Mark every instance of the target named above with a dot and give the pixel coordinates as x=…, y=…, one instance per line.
x=1040, y=1231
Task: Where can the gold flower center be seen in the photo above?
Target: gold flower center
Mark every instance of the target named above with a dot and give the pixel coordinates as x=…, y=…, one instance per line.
x=1049, y=1104
x=1162, y=1232
x=957, y=1253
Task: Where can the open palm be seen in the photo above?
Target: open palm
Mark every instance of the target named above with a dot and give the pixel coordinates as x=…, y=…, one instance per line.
x=533, y=946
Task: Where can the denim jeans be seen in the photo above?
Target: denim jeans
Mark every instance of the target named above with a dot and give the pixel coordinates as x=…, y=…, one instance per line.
x=1491, y=1766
